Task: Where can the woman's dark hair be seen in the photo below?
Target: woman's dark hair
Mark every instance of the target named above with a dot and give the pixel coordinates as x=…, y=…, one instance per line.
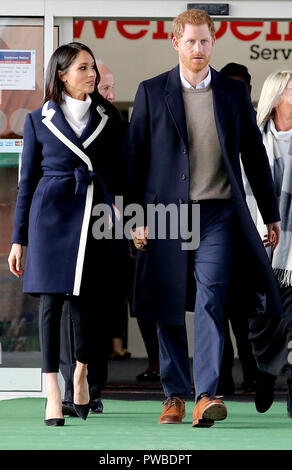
x=61, y=60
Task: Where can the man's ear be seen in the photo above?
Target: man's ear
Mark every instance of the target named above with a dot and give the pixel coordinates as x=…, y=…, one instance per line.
x=175, y=43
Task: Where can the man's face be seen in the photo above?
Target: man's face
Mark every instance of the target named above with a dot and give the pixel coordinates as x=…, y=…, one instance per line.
x=194, y=47
x=106, y=84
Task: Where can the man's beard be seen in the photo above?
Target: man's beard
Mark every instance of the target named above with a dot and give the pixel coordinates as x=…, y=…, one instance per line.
x=195, y=66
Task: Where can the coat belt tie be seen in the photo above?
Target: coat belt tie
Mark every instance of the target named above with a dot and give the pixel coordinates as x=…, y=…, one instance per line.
x=82, y=175
x=83, y=178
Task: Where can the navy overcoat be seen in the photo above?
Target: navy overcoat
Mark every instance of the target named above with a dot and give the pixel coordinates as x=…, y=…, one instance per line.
x=59, y=175
x=158, y=172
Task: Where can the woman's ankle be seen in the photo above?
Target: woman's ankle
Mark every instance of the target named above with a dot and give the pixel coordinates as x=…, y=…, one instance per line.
x=80, y=370
x=52, y=386
x=81, y=389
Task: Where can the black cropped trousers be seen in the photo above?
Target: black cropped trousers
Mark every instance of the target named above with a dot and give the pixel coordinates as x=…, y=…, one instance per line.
x=50, y=311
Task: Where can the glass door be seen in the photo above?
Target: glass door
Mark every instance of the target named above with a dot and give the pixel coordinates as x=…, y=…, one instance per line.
x=21, y=91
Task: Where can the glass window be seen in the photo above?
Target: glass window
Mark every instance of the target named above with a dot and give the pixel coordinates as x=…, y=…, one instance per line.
x=21, y=91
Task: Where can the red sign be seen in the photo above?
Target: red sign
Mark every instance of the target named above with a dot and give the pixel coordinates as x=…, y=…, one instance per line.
x=236, y=27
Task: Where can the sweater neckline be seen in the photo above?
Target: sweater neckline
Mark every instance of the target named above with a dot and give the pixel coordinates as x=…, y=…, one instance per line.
x=78, y=108
x=197, y=90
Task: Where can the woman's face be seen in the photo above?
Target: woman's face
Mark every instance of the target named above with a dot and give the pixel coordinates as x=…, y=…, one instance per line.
x=285, y=106
x=79, y=80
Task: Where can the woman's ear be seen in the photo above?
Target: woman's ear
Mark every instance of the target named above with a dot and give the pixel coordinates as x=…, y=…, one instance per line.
x=61, y=76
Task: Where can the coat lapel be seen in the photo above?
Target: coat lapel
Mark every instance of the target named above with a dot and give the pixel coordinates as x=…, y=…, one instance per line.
x=175, y=104
x=91, y=131
x=56, y=122
x=220, y=104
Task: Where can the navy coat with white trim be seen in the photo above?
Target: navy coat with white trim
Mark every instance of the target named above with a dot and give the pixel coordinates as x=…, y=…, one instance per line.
x=56, y=189
x=158, y=172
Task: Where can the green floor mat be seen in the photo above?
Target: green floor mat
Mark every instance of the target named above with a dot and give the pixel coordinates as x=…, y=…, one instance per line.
x=134, y=425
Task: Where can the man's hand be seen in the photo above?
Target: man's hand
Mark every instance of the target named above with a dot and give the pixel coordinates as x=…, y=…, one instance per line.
x=273, y=236
x=139, y=235
x=14, y=260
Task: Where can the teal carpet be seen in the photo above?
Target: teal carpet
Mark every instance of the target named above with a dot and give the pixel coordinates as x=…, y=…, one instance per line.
x=133, y=425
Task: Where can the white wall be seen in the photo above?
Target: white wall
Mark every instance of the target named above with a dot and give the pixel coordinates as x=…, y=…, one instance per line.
x=137, y=52
x=138, y=8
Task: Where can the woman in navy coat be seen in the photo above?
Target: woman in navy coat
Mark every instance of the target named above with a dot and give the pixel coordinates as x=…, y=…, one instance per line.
x=70, y=163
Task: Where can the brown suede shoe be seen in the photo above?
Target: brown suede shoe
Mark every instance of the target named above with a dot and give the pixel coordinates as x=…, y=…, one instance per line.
x=208, y=410
x=173, y=411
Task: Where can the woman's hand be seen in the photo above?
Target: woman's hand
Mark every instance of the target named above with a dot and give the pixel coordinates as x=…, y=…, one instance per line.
x=14, y=260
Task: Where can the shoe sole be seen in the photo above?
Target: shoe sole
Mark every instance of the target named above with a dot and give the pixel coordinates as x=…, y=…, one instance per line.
x=54, y=425
x=215, y=412
x=168, y=420
x=203, y=423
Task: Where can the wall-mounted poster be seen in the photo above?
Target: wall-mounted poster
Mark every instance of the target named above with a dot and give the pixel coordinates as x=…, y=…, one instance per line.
x=17, y=69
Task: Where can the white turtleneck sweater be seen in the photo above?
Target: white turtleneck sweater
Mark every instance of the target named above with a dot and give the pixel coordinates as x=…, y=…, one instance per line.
x=76, y=112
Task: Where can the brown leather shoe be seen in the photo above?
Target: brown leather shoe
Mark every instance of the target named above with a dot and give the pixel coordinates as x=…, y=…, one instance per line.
x=173, y=411
x=208, y=410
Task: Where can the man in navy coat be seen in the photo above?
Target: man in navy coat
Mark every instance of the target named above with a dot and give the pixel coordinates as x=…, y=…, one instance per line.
x=189, y=127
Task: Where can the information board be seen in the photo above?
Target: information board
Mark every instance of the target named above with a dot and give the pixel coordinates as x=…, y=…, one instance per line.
x=17, y=69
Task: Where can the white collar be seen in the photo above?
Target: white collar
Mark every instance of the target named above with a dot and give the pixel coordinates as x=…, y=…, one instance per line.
x=77, y=108
x=280, y=135
x=202, y=84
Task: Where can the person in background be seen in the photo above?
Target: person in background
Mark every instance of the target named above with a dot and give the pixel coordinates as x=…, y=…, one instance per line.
x=120, y=324
x=98, y=367
x=107, y=84
x=239, y=72
x=147, y=327
x=98, y=371
x=274, y=117
x=234, y=315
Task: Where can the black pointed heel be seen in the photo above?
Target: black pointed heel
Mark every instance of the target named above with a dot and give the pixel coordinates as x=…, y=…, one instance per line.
x=53, y=421
x=82, y=410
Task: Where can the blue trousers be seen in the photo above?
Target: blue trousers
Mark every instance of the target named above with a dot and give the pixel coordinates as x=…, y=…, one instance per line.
x=212, y=265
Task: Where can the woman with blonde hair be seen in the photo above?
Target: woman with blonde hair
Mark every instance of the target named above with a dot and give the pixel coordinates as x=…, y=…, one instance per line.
x=274, y=117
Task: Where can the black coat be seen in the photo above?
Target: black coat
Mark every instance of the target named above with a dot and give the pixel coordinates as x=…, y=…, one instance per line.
x=158, y=172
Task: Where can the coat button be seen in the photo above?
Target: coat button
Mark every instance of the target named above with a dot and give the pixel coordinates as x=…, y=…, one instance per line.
x=185, y=151
x=183, y=177
x=181, y=201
